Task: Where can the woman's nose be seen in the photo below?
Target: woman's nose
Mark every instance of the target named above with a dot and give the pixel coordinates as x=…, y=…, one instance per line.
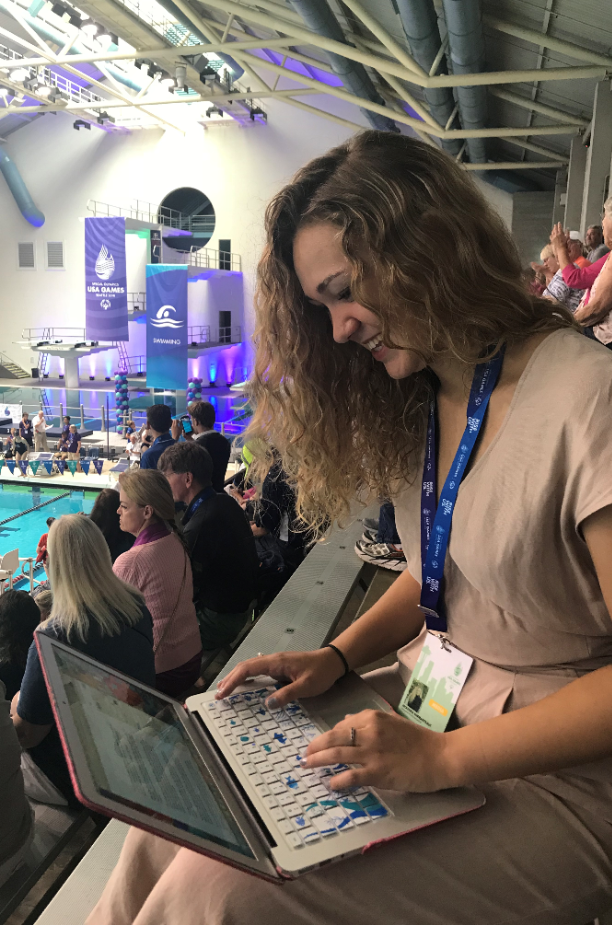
x=344, y=324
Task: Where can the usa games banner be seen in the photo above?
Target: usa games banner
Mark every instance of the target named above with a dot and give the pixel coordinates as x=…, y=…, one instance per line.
x=166, y=326
x=106, y=307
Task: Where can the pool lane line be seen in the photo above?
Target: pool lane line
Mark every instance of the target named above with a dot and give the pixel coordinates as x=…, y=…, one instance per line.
x=36, y=507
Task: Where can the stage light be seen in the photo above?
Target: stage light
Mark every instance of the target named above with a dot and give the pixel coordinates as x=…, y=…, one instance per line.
x=180, y=73
x=61, y=375
x=45, y=375
x=89, y=27
x=4, y=91
x=44, y=91
x=91, y=378
x=20, y=74
x=107, y=378
x=78, y=125
x=167, y=81
x=107, y=37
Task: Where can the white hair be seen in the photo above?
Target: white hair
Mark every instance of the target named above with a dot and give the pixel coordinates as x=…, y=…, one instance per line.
x=85, y=589
x=608, y=206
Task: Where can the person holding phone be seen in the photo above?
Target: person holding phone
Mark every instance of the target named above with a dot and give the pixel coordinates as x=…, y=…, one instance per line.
x=202, y=424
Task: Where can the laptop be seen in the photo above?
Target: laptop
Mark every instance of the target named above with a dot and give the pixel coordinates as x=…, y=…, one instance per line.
x=223, y=777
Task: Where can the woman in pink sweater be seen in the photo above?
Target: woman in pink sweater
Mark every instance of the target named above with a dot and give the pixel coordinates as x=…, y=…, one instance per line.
x=158, y=565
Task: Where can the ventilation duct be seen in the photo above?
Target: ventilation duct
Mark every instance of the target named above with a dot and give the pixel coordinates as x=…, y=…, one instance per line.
x=20, y=192
x=177, y=14
x=319, y=18
x=467, y=53
x=420, y=25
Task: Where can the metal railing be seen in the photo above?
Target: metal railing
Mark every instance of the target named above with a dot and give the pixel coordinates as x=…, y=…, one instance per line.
x=54, y=335
x=199, y=334
x=137, y=301
x=135, y=366
x=152, y=214
x=210, y=259
x=60, y=87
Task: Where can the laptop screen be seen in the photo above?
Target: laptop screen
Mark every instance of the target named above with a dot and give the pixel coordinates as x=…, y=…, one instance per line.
x=139, y=753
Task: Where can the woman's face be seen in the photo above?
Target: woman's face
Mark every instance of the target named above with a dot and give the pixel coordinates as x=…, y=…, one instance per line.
x=132, y=517
x=324, y=273
x=551, y=263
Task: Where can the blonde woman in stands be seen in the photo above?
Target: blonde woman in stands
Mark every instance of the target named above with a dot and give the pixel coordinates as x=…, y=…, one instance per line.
x=158, y=564
x=99, y=615
x=368, y=343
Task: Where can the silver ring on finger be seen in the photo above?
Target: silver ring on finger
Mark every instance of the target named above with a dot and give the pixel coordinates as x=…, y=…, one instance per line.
x=353, y=736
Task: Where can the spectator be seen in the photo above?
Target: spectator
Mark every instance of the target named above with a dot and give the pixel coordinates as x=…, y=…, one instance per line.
x=557, y=289
x=130, y=429
x=222, y=549
x=584, y=278
x=276, y=515
x=94, y=612
x=596, y=246
x=19, y=617
x=159, y=566
x=41, y=549
x=105, y=515
x=9, y=446
x=575, y=249
x=159, y=419
x=40, y=433
x=65, y=431
x=25, y=429
x=133, y=450
x=44, y=602
x=16, y=816
x=202, y=415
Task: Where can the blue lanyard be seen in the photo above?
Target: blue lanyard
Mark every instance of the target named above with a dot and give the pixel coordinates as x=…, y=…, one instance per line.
x=436, y=524
x=206, y=494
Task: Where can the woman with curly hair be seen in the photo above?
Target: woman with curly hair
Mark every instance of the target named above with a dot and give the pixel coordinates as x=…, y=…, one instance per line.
x=436, y=379
x=19, y=617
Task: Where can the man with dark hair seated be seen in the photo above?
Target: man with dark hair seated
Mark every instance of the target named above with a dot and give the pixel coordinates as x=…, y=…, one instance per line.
x=159, y=419
x=203, y=418
x=222, y=548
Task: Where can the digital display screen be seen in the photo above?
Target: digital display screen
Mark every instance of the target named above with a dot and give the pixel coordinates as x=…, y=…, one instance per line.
x=139, y=754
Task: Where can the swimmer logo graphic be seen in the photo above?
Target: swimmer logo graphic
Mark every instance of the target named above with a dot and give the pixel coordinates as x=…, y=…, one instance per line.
x=105, y=264
x=163, y=318
x=166, y=326
x=106, y=309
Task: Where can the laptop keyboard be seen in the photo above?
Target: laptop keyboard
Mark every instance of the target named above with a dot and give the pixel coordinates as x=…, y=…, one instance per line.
x=269, y=745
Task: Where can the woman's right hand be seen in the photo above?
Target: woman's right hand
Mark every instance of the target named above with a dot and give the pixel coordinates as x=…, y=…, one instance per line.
x=306, y=673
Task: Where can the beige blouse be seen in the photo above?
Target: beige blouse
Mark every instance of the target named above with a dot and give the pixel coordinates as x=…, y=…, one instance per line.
x=521, y=593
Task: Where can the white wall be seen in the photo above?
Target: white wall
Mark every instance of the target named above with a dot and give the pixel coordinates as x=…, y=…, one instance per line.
x=239, y=169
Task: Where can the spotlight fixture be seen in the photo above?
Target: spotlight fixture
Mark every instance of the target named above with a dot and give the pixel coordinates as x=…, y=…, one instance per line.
x=78, y=125
x=104, y=117
x=61, y=375
x=91, y=378
x=89, y=27
x=45, y=375
x=80, y=345
x=167, y=81
x=44, y=91
x=107, y=378
x=214, y=110
x=257, y=112
x=106, y=37
x=180, y=73
x=4, y=91
x=20, y=74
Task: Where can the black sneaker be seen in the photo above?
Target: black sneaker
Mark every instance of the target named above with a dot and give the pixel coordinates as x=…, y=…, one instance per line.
x=369, y=523
x=387, y=555
x=369, y=536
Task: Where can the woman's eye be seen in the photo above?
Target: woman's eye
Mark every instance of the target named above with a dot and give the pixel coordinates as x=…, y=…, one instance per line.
x=344, y=296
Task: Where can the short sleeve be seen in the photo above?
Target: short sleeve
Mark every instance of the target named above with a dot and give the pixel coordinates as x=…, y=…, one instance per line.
x=34, y=705
x=590, y=481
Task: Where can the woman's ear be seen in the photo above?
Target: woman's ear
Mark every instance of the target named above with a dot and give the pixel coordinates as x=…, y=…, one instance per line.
x=148, y=511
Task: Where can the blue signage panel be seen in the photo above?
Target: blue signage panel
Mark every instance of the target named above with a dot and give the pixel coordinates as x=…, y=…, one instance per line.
x=166, y=326
x=106, y=307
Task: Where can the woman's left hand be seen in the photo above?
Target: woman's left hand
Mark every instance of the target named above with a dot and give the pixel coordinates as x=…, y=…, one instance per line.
x=392, y=753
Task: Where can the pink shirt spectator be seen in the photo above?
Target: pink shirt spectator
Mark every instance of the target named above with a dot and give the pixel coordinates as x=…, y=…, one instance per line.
x=156, y=569
x=577, y=278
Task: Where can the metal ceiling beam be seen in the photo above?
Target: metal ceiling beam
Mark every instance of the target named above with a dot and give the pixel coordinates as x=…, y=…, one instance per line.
x=393, y=47
x=535, y=38
x=505, y=132
x=505, y=77
x=537, y=149
x=527, y=103
x=514, y=165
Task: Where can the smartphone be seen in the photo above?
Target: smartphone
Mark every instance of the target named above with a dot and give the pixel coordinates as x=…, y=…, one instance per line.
x=185, y=421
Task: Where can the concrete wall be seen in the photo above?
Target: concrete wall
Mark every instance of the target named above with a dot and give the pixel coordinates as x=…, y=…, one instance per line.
x=532, y=222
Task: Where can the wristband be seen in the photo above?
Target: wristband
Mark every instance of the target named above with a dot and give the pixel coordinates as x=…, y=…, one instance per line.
x=340, y=656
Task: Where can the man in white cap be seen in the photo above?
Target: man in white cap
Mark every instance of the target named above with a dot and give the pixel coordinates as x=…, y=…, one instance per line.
x=575, y=250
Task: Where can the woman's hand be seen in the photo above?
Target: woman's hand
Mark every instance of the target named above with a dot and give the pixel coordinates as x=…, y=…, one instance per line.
x=558, y=237
x=392, y=753
x=308, y=674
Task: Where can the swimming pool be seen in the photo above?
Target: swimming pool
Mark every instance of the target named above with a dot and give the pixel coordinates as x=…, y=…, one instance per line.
x=24, y=510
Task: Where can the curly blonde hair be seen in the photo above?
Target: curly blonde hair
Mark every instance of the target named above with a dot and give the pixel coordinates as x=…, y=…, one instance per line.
x=447, y=283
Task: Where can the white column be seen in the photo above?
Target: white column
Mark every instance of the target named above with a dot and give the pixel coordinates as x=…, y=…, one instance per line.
x=560, y=196
x=71, y=372
x=575, y=183
x=598, y=157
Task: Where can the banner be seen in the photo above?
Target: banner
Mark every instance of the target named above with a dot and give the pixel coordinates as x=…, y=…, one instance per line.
x=1, y=464
x=34, y=466
x=85, y=463
x=61, y=465
x=72, y=465
x=106, y=307
x=48, y=466
x=23, y=465
x=97, y=464
x=11, y=465
x=166, y=326
x=13, y=412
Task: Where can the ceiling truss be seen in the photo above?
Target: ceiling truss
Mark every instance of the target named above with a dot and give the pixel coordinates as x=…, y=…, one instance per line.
x=391, y=63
